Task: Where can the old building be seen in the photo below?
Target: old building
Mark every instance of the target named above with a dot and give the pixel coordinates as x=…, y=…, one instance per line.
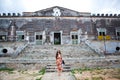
x=58, y=25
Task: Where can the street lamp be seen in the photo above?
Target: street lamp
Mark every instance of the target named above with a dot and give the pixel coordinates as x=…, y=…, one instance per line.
x=104, y=44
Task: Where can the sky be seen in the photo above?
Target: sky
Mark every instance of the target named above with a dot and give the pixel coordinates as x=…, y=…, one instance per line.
x=93, y=6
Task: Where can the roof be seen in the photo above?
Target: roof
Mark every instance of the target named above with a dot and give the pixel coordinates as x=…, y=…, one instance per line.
x=52, y=11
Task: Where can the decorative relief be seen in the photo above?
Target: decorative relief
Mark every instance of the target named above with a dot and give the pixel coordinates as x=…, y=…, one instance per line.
x=56, y=12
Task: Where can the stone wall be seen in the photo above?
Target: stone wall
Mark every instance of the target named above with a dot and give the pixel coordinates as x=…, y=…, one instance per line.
x=101, y=62
x=104, y=47
x=13, y=48
x=23, y=66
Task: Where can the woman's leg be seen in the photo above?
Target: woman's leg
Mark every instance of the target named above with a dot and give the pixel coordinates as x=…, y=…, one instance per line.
x=59, y=70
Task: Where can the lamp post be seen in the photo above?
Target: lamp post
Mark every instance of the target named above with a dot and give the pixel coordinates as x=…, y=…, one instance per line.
x=104, y=44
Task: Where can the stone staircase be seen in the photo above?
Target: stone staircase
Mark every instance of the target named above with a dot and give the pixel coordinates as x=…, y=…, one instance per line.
x=45, y=55
x=49, y=51
x=53, y=68
x=78, y=56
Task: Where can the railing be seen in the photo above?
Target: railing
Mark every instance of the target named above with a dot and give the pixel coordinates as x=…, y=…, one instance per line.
x=97, y=50
x=19, y=50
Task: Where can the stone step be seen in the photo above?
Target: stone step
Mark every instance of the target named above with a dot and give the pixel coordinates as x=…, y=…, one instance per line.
x=53, y=68
x=48, y=51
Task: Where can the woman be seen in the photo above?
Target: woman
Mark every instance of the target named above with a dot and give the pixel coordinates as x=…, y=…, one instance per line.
x=59, y=62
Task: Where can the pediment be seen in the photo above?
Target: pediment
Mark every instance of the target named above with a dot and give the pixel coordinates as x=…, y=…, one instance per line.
x=58, y=11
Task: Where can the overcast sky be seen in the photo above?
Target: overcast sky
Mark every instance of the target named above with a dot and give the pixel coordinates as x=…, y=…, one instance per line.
x=93, y=6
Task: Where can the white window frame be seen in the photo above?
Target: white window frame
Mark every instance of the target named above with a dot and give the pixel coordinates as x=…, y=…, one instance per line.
x=101, y=30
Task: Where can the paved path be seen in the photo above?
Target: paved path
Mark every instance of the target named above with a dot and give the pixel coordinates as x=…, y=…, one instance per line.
x=54, y=76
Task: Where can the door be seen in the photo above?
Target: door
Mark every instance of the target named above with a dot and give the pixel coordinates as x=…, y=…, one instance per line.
x=57, y=38
x=31, y=37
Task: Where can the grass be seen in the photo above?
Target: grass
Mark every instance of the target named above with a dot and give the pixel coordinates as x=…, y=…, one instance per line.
x=24, y=74
x=39, y=78
x=97, y=78
x=6, y=69
x=80, y=70
x=86, y=79
x=22, y=71
x=42, y=71
x=9, y=70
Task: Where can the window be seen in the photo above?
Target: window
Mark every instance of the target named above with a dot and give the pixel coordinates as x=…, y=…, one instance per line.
x=22, y=36
x=118, y=35
x=38, y=37
x=101, y=33
x=2, y=37
x=74, y=36
x=74, y=39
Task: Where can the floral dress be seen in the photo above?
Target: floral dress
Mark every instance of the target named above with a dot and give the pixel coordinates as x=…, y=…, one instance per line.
x=59, y=62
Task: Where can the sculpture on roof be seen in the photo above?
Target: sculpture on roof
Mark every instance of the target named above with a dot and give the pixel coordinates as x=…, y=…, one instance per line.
x=56, y=12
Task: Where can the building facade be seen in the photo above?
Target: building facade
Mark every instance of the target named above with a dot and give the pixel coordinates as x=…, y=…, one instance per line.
x=58, y=25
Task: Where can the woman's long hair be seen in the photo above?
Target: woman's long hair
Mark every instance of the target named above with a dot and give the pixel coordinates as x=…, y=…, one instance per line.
x=58, y=52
